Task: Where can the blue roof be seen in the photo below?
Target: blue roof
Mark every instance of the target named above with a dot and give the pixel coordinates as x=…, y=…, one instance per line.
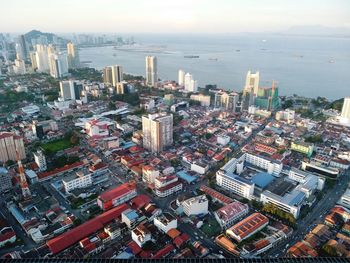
x=127, y=145
x=262, y=179
x=131, y=215
x=185, y=176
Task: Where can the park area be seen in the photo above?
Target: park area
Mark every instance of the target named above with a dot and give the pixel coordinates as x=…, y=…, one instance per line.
x=211, y=227
x=57, y=145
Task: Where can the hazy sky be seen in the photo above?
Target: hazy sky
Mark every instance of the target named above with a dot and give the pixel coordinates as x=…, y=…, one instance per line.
x=132, y=16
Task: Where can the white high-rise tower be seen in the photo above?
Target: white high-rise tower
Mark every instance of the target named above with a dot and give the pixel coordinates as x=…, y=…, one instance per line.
x=151, y=71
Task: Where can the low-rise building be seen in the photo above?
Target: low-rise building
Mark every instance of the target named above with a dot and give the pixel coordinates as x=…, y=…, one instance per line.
x=167, y=185
x=248, y=227
x=149, y=174
x=230, y=213
x=141, y=235
x=165, y=222
x=303, y=147
x=5, y=180
x=117, y=196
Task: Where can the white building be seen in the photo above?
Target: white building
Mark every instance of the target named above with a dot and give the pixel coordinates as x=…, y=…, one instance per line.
x=195, y=205
x=20, y=67
x=190, y=84
x=40, y=160
x=165, y=222
x=345, y=199
x=230, y=213
x=77, y=180
x=73, y=56
x=345, y=112
x=113, y=75
x=223, y=140
x=227, y=179
x=167, y=185
x=285, y=115
x=70, y=90
x=141, y=235
x=273, y=167
x=151, y=71
x=157, y=131
x=149, y=174
x=203, y=99
x=226, y=101
x=181, y=78
x=42, y=58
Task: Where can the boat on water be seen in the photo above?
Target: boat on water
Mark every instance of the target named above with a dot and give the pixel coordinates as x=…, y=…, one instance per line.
x=213, y=59
x=331, y=61
x=191, y=56
x=114, y=55
x=238, y=50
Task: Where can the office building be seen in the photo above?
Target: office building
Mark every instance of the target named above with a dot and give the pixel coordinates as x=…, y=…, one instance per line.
x=165, y=222
x=151, y=71
x=9, y=145
x=58, y=65
x=73, y=56
x=40, y=160
x=285, y=115
x=76, y=181
x=250, y=89
x=345, y=112
x=5, y=180
x=197, y=205
x=70, y=90
x=226, y=101
x=157, y=131
x=181, y=76
x=167, y=185
x=112, y=75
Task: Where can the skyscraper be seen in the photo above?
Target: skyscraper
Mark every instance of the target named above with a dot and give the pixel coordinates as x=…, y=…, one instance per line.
x=9, y=144
x=345, y=112
x=24, y=47
x=250, y=89
x=73, y=56
x=190, y=83
x=40, y=160
x=151, y=71
x=42, y=58
x=70, y=90
x=157, y=131
x=227, y=101
x=267, y=98
x=58, y=65
x=181, y=78
x=113, y=75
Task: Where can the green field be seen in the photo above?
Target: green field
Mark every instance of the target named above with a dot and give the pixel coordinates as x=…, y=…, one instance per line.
x=57, y=145
x=211, y=227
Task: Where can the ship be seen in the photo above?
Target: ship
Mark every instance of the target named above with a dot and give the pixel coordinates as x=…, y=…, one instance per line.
x=191, y=56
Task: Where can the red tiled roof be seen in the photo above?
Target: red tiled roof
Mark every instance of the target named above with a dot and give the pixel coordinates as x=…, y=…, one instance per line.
x=71, y=237
x=117, y=192
x=134, y=247
x=60, y=170
x=163, y=252
x=7, y=235
x=140, y=201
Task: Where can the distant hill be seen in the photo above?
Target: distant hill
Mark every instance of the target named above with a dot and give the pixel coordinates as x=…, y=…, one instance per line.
x=336, y=105
x=317, y=30
x=36, y=34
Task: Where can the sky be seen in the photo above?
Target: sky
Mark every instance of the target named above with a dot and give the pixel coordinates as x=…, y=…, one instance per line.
x=170, y=16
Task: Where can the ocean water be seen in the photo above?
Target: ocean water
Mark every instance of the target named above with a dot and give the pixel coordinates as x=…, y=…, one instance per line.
x=308, y=66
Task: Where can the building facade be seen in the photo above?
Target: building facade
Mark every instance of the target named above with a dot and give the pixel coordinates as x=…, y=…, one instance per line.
x=151, y=71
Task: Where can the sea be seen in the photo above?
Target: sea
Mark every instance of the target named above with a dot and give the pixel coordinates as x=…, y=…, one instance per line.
x=309, y=66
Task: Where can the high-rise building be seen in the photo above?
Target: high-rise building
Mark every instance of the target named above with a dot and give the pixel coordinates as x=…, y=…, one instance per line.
x=157, y=131
x=151, y=71
x=227, y=101
x=70, y=90
x=19, y=67
x=267, y=98
x=24, y=47
x=42, y=58
x=190, y=83
x=58, y=65
x=73, y=56
x=113, y=75
x=181, y=78
x=40, y=160
x=250, y=89
x=5, y=180
x=9, y=144
x=345, y=112
x=33, y=60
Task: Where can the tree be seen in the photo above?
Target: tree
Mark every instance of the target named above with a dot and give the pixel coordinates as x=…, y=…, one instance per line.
x=74, y=139
x=329, y=250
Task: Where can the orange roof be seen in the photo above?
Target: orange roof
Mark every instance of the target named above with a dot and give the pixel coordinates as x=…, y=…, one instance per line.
x=173, y=233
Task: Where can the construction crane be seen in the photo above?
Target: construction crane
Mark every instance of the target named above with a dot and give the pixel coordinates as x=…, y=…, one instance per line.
x=23, y=181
